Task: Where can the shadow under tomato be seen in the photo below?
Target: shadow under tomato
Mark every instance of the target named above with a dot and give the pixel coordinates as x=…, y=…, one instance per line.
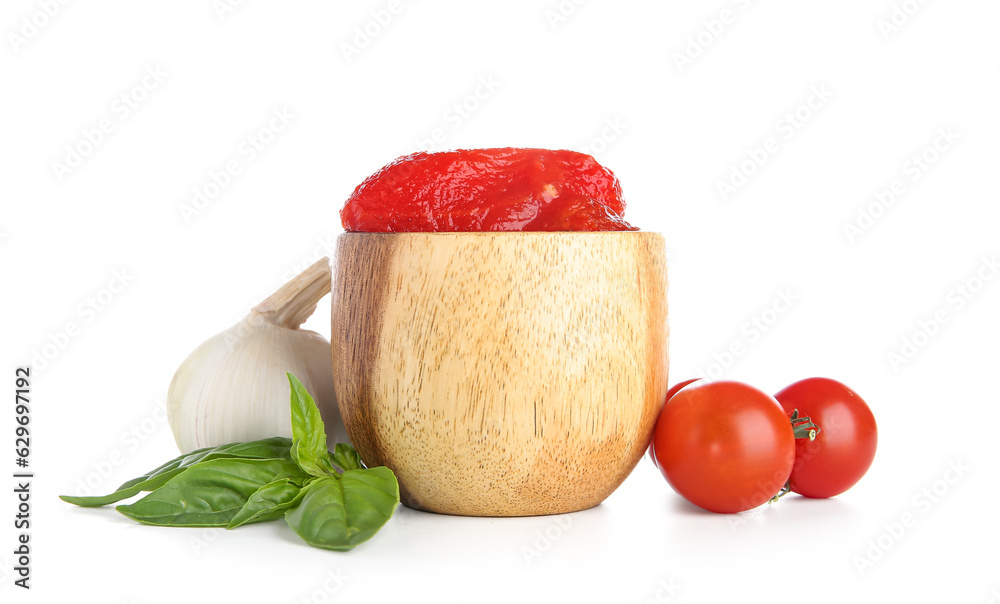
x=833, y=509
x=682, y=506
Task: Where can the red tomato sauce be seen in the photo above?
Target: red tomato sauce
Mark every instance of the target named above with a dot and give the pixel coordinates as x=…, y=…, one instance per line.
x=488, y=190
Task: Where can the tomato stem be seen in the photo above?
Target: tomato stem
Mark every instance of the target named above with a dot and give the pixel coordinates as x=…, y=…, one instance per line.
x=803, y=427
x=786, y=489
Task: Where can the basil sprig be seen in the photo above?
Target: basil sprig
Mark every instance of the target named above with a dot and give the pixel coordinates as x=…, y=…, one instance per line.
x=268, y=448
x=329, y=499
x=339, y=513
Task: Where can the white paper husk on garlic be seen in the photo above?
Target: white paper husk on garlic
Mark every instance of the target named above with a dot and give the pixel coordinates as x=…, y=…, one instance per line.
x=233, y=387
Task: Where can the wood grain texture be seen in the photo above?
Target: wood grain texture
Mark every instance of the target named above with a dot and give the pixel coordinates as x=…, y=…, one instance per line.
x=501, y=374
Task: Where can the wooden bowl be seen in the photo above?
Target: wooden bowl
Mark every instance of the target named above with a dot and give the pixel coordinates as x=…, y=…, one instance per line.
x=501, y=374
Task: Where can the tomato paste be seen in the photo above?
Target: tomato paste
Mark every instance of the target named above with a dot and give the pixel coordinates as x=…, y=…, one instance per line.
x=488, y=190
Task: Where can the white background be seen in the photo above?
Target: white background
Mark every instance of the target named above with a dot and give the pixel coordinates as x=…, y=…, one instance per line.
x=880, y=95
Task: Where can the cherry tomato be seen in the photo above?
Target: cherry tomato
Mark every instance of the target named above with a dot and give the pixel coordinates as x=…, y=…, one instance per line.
x=724, y=446
x=670, y=393
x=845, y=445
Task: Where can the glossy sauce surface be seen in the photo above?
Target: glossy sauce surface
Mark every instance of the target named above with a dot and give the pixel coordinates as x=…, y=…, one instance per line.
x=505, y=189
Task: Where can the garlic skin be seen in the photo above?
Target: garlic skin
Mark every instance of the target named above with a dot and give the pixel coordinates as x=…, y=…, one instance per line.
x=233, y=387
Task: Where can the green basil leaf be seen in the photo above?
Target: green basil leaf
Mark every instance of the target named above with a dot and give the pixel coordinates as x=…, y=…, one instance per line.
x=134, y=488
x=346, y=457
x=308, y=433
x=267, y=448
x=171, y=465
x=269, y=502
x=168, y=467
x=340, y=513
x=209, y=493
x=276, y=447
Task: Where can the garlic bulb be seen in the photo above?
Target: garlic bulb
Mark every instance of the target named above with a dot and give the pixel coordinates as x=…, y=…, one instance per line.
x=233, y=387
